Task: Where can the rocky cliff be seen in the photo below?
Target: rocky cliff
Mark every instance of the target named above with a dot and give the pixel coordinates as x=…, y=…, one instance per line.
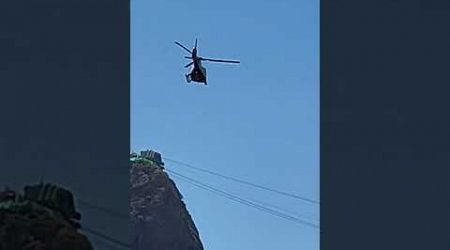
x=160, y=216
x=38, y=223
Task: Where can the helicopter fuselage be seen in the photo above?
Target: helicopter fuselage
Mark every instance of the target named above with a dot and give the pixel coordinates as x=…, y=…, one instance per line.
x=198, y=72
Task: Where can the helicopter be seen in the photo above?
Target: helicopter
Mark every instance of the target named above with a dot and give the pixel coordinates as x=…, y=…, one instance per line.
x=198, y=72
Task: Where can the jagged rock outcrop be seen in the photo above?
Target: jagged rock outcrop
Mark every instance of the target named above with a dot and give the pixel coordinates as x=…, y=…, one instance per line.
x=39, y=222
x=160, y=216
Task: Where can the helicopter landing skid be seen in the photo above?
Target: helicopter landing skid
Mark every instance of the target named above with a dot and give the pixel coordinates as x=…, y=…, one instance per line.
x=188, y=78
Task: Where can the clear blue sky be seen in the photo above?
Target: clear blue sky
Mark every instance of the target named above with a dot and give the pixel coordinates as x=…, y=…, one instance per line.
x=258, y=120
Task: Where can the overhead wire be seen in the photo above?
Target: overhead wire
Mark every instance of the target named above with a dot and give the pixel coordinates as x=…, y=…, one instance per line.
x=105, y=237
x=264, y=207
x=103, y=244
x=108, y=211
x=282, y=209
x=244, y=201
x=116, y=214
x=291, y=195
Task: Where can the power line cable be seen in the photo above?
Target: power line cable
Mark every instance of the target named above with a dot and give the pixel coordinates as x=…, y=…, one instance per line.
x=248, y=202
x=116, y=214
x=282, y=209
x=106, y=237
x=261, y=205
x=242, y=200
x=243, y=181
x=103, y=209
x=110, y=212
x=104, y=245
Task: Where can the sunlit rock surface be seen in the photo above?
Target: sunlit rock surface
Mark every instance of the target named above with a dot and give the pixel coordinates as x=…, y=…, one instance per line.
x=160, y=216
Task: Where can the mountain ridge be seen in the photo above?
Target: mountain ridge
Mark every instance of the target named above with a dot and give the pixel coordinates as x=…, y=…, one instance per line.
x=159, y=214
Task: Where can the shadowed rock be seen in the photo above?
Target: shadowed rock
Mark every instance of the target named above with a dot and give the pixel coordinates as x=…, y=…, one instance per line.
x=39, y=222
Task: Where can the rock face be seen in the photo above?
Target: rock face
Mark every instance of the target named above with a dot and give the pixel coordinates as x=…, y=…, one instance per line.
x=34, y=224
x=160, y=216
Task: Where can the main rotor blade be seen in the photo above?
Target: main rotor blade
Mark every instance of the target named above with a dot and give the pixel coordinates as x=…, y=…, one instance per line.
x=219, y=60
x=189, y=64
x=188, y=57
x=182, y=46
x=195, y=43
